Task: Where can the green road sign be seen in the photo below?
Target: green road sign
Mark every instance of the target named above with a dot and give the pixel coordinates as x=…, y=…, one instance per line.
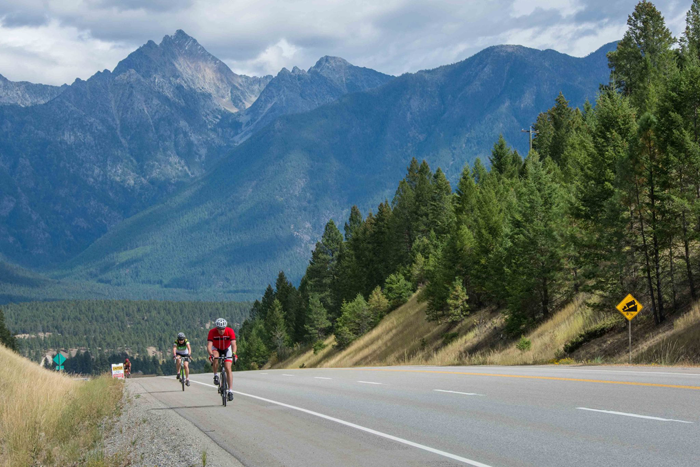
x=59, y=359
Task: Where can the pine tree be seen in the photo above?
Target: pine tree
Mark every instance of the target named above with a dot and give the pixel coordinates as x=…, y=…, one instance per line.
x=534, y=255
x=353, y=224
x=441, y=216
x=317, y=322
x=397, y=289
x=643, y=57
x=6, y=337
x=500, y=156
x=458, y=303
x=276, y=329
x=378, y=305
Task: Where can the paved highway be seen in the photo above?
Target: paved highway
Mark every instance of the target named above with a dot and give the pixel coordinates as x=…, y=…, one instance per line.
x=479, y=416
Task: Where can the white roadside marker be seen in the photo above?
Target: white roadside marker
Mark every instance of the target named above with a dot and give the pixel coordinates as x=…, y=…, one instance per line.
x=368, y=382
x=362, y=428
x=633, y=415
x=457, y=392
x=321, y=377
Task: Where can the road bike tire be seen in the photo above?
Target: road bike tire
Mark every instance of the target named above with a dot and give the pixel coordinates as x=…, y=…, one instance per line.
x=224, y=388
x=182, y=374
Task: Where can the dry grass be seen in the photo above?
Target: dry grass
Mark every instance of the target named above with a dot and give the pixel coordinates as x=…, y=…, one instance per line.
x=47, y=418
x=689, y=319
x=405, y=337
x=678, y=346
x=547, y=340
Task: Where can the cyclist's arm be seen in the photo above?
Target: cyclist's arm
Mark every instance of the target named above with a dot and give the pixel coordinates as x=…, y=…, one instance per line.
x=233, y=345
x=189, y=349
x=210, y=344
x=174, y=352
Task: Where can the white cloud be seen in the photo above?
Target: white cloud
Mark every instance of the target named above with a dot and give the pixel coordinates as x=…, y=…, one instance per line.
x=269, y=62
x=55, y=41
x=527, y=7
x=54, y=54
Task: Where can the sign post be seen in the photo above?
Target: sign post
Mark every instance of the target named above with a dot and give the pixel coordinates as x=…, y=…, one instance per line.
x=629, y=307
x=58, y=360
x=118, y=370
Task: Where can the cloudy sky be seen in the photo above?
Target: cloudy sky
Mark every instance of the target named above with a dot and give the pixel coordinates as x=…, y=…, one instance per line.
x=55, y=41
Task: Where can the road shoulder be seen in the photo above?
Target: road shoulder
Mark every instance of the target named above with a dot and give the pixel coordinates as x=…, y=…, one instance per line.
x=151, y=434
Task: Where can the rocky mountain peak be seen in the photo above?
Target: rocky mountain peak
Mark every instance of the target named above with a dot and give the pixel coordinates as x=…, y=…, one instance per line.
x=327, y=63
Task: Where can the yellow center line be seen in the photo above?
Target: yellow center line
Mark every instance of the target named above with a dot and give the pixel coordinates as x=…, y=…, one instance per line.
x=551, y=378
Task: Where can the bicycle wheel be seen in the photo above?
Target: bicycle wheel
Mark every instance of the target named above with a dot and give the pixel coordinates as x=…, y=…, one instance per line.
x=224, y=388
x=182, y=374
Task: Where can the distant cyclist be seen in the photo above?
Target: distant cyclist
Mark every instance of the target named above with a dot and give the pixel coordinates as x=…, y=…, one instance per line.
x=127, y=367
x=182, y=348
x=222, y=341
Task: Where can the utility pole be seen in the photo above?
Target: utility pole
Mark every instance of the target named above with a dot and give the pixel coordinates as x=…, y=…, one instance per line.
x=530, y=130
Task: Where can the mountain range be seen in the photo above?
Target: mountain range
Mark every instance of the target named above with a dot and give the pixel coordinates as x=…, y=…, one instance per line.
x=172, y=171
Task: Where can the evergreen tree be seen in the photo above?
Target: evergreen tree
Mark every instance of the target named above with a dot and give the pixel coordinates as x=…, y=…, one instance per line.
x=378, y=305
x=397, y=289
x=441, y=216
x=534, y=255
x=643, y=57
x=277, y=330
x=316, y=320
x=6, y=337
x=458, y=303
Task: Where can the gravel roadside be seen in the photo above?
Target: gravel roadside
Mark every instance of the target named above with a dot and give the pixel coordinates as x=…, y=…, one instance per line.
x=154, y=437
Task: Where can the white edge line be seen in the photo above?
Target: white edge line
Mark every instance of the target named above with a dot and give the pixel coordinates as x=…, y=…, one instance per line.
x=262, y=373
x=633, y=415
x=368, y=382
x=362, y=428
x=321, y=377
x=286, y=375
x=457, y=392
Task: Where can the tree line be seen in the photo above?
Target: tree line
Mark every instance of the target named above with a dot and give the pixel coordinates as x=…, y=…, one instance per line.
x=115, y=326
x=607, y=202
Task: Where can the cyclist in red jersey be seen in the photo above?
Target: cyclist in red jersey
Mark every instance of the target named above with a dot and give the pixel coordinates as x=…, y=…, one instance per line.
x=222, y=341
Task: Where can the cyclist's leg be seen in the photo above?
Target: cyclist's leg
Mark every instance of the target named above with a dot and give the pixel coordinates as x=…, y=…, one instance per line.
x=177, y=365
x=187, y=369
x=229, y=373
x=215, y=365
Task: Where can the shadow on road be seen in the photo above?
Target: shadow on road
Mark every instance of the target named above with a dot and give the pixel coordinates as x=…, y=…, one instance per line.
x=186, y=406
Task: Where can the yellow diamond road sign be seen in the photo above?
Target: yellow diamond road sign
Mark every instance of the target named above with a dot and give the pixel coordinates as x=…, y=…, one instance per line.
x=629, y=307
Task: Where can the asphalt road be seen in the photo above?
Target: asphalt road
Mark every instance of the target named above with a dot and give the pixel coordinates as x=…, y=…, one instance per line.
x=480, y=416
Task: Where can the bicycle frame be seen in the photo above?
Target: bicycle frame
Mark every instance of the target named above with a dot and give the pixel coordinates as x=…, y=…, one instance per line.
x=223, y=380
x=183, y=359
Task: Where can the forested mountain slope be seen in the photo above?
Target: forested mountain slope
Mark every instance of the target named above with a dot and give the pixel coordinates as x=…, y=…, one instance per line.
x=262, y=208
x=105, y=148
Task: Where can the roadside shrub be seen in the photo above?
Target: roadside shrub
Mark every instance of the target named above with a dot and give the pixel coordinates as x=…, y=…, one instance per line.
x=318, y=346
x=524, y=344
x=449, y=337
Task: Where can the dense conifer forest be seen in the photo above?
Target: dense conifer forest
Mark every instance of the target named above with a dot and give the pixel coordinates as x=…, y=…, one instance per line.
x=606, y=202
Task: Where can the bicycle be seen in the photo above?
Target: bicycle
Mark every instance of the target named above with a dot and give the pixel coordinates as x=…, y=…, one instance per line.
x=223, y=379
x=183, y=358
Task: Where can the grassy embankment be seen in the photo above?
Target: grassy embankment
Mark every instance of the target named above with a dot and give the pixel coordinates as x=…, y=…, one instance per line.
x=47, y=418
x=404, y=337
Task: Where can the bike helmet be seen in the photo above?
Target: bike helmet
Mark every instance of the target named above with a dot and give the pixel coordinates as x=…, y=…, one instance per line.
x=127, y=359
x=221, y=323
x=180, y=336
